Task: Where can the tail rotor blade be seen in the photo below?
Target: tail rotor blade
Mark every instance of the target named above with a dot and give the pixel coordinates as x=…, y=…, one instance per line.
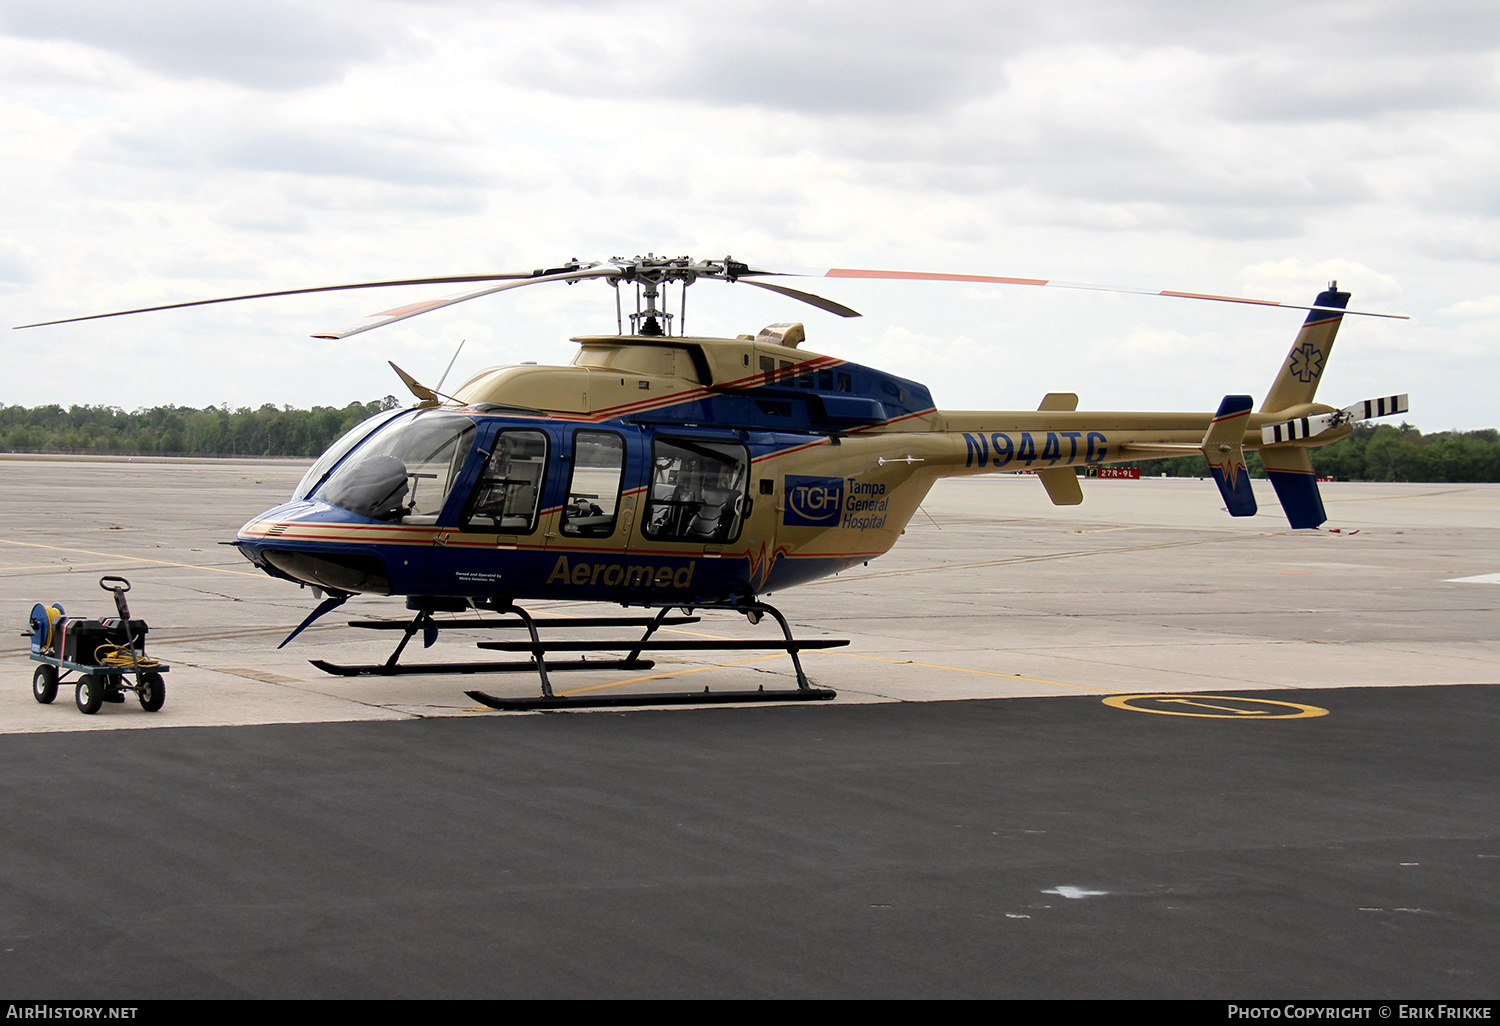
x=1307, y=427
x=1386, y=406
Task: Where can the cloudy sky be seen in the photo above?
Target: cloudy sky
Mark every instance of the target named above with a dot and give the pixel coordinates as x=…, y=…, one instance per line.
x=168, y=150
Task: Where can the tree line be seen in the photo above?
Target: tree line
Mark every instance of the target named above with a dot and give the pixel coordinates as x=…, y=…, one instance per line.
x=181, y=430
x=1378, y=453
x=1370, y=453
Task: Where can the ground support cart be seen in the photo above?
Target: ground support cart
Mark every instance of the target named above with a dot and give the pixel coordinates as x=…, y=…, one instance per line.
x=110, y=656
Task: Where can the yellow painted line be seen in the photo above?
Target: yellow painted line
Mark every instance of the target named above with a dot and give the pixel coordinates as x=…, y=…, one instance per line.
x=982, y=673
x=846, y=655
x=663, y=676
x=132, y=559
x=782, y=655
x=693, y=634
x=1224, y=713
x=1220, y=708
x=56, y=566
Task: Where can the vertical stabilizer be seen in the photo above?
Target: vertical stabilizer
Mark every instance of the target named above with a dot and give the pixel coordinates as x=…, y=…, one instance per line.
x=1298, y=381
x=1291, y=474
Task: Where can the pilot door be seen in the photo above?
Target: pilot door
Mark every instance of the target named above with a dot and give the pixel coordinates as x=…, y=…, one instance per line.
x=496, y=531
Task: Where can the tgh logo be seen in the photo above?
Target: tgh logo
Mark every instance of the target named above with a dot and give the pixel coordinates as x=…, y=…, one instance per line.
x=813, y=501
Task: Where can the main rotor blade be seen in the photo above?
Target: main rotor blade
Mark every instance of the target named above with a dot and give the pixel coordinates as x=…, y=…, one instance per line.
x=401, y=313
x=446, y=280
x=806, y=297
x=990, y=279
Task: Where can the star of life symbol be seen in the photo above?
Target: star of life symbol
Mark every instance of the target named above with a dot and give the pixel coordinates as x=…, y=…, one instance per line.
x=1307, y=362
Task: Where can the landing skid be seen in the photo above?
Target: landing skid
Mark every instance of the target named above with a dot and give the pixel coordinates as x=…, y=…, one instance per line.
x=402, y=669
x=542, y=667
x=704, y=697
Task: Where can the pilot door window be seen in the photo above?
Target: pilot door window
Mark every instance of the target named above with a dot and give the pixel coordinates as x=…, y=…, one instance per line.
x=594, y=490
x=698, y=490
x=404, y=471
x=509, y=493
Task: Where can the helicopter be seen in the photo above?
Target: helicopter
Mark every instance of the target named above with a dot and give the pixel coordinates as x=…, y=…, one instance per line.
x=677, y=472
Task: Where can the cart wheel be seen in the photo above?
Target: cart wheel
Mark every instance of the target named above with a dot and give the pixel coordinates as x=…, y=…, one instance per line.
x=90, y=693
x=152, y=691
x=44, y=684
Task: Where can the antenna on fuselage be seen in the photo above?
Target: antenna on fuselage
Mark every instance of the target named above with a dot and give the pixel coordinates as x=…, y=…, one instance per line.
x=450, y=364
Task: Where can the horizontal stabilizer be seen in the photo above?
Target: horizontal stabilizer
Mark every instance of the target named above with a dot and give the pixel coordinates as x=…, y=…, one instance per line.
x=1226, y=455
x=1062, y=485
x=1307, y=427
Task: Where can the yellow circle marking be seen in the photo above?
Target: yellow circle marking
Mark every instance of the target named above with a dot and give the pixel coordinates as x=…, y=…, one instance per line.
x=1219, y=707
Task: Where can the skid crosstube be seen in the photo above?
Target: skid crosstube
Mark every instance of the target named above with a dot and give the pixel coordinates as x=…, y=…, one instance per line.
x=541, y=666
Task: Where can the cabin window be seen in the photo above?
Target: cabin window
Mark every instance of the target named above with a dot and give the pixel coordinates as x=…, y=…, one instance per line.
x=508, y=496
x=594, y=490
x=846, y=383
x=768, y=368
x=699, y=490
x=405, y=470
x=825, y=380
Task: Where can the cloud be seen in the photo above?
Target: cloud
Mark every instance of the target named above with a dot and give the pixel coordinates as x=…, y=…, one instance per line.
x=1487, y=308
x=1271, y=87
x=256, y=140
x=823, y=58
x=885, y=59
x=1289, y=278
x=270, y=44
x=1310, y=27
x=1459, y=239
x=16, y=267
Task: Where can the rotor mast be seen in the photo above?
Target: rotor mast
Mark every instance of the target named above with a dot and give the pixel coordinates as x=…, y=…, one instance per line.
x=650, y=273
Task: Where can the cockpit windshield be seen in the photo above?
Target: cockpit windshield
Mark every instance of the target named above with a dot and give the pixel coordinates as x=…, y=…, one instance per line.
x=404, y=471
x=338, y=450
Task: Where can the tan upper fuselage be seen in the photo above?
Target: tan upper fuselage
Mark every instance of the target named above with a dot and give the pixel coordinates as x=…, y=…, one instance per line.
x=897, y=458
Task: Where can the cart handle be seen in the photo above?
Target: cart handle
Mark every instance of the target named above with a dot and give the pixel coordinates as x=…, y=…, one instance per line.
x=121, y=606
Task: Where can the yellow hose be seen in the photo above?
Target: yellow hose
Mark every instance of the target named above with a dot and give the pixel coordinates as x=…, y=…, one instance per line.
x=54, y=613
x=119, y=655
